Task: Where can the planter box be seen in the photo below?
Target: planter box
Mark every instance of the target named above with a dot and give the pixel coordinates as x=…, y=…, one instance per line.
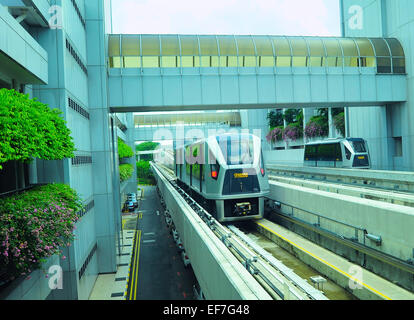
x=36, y=288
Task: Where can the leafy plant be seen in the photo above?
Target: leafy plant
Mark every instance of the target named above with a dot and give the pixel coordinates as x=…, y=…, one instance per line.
x=275, y=134
x=35, y=225
x=275, y=118
x=125, y=171
x=30, y=129
x=124, y=150
x=318, y=126
x=147, y=146
x=339, y=122
x=293, y=132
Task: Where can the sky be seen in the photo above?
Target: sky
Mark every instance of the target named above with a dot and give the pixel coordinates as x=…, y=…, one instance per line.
x=239, y=17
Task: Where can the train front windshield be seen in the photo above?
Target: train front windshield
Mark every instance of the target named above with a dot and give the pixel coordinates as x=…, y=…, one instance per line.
x=359, y=146
x=237, y=149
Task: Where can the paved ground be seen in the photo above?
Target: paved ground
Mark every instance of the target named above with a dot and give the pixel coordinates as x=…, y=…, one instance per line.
x=157, y=272
x=151, y=266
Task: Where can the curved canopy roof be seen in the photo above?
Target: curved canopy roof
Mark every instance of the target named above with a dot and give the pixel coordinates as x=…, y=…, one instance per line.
x=189, y=51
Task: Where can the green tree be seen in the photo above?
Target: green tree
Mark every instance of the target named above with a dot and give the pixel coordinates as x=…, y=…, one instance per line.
x=124, y=150
x=30, y=129
x=147, y=146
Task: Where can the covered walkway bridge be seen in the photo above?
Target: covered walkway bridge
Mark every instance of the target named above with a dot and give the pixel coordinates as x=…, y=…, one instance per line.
x=208, y=72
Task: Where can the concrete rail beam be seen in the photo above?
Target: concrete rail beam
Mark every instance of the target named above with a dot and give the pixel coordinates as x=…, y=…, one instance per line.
x=390, y=221
x=220, y=275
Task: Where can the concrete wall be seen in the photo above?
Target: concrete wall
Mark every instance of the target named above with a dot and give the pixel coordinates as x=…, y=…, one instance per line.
x=391, y=222
x=290, y=157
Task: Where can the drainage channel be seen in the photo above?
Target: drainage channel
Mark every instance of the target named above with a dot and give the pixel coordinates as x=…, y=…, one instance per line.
x=329, y=288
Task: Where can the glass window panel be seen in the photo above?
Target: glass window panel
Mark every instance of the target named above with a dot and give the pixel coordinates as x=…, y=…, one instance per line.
x=228, y=61
x=381, y=48
x=205, y=61
x=367, y=62
x=334, y=61
x=115, y=62
x=113, y=46
x=189, y=45
x=170, y=62
x=316, y=47
x=208, y=45
x=370, y=62
x=316, y=61
x=333, y=48
x=232, y=61
x=227, y=46
x=396, y=48
x=245, y=46
x=132, y=62
x=130, y=45
x=283, y=61
x=398, y=65
x=299, y=47
x=263, y=46
x=197, y=62
x=299, y=61
x=351, y=61
x=247, y=61
x=214, y=61
x=383, y=65
x=170, y=45
x=349, y=47
x=187, y=62
x=150, y=62
x=150, y=45
x=266, y=61
x=365, y=48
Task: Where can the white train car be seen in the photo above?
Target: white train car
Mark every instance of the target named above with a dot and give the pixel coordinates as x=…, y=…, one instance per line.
x=226, y=174
x=338, y=153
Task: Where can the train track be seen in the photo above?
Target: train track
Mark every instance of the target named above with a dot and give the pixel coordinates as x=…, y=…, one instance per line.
x=277, y=279
x=360, y=191
x=391, y=181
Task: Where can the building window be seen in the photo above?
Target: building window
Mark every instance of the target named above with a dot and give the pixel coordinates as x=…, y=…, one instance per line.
x=398, y=149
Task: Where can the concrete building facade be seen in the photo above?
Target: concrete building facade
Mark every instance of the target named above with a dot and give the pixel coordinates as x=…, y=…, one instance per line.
x=388, y=129
x=55, y=51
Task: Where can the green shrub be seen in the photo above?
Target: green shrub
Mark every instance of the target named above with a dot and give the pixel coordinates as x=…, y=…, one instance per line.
x=125, y=171
x=144, y=169
x=124, y=150
x=339, y=122
x=30, y=129
x=35, y=225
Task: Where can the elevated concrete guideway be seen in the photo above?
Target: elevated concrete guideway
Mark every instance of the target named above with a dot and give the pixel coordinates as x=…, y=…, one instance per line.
x=175, y=73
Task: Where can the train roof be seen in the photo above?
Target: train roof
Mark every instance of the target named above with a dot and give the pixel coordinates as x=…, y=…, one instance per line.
x=217, y=137
x=334, y=140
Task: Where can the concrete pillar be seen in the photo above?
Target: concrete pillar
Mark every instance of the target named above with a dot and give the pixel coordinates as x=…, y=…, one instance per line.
x=332, y=129
x=103, y=144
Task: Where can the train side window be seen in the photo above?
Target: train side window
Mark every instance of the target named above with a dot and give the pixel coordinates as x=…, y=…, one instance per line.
x=326, y=152
x=347, y=153
x=310, y=153
x=338, y=153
